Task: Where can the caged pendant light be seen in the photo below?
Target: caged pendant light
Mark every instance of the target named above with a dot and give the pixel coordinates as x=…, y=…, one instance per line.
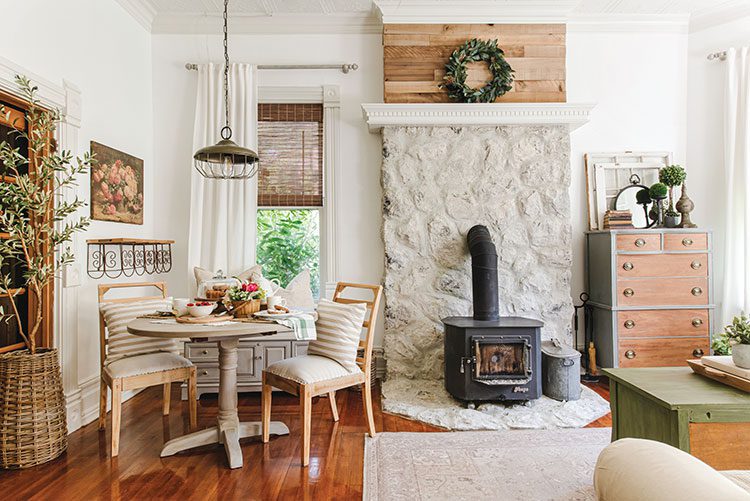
x=226, y=159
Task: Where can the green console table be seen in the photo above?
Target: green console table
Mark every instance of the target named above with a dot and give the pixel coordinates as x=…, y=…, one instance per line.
x=673, y=405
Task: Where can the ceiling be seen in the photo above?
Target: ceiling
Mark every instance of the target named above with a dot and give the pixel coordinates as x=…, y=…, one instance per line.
x=356, y=16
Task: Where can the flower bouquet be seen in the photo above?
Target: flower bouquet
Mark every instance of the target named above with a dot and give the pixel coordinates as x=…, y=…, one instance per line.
x=244, y=299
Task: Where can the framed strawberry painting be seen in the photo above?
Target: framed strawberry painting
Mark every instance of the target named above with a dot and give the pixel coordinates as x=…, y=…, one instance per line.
x=116, y=186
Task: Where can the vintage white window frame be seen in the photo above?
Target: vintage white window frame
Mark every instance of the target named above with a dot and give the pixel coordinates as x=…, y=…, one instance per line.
x=330, y=97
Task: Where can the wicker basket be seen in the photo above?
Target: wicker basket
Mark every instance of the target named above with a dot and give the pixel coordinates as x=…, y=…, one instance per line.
x=32, y=409
x=245, y=309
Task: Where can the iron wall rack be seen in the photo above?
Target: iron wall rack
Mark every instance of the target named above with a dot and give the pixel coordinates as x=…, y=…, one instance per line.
x=116, y=257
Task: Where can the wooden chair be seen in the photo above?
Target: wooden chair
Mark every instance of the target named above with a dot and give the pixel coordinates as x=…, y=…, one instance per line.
x=136, y=381
x=311, y=388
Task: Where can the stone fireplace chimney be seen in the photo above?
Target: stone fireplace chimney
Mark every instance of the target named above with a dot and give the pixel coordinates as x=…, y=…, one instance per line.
x=447, y=167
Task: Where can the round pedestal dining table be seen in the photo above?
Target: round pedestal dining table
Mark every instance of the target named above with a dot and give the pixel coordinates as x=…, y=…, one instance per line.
x=228, y=430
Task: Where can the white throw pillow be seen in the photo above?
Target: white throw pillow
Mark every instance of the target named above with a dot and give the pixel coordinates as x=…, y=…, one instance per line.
x=338, y=330
x=120, y=342
x=297, y=293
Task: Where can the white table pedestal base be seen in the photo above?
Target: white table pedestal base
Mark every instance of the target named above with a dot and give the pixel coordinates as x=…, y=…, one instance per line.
x=229, y=429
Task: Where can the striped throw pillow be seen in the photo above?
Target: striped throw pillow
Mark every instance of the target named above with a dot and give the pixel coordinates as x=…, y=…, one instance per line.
x=120, y=342
x=338, y=329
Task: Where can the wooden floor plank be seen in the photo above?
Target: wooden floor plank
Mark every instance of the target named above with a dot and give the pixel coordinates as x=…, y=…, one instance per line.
x=272, y=471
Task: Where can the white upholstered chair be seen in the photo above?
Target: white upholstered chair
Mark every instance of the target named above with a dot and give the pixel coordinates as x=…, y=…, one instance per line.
x=130, y=362
x=308, y=376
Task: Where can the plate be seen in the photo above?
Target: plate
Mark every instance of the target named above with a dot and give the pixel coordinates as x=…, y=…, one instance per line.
x=265, y=314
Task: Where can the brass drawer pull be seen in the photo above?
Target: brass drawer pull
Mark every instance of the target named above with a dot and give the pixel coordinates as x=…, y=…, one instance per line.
x=629, y=324
x=630, y=354
x=697, y=352
x=695, y=265
x=628, y=266
x=204, y=373
x=696, y=291
x=204, y=352
x=697, y=322
x=639, y=242
x=628, y=292
x=687, y=242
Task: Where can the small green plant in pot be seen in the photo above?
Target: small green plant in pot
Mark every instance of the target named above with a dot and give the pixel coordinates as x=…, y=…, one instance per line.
x=738, y=334
x=672, y=176
x=39, y=220
x=658, y=192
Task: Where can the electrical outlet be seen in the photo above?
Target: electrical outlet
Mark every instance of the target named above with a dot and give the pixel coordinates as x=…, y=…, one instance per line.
x=71, y=276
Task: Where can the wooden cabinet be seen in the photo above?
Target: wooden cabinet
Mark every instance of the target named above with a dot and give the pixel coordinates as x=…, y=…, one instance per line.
x=652, y=295
x=253, y=355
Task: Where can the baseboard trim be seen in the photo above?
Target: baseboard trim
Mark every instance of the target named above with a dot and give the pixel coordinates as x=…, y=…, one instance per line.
x=82, y=403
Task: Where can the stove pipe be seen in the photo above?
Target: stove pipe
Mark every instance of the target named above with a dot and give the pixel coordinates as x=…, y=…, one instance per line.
x=483, y=273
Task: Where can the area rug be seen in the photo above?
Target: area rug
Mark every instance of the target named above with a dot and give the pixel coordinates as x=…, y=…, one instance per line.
x=476, y=465
x=427, y=401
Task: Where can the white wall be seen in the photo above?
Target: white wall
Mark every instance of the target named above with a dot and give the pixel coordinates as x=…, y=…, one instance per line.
x=98, y=47
x=705, y=149
x=639, y=84
x=359, y=200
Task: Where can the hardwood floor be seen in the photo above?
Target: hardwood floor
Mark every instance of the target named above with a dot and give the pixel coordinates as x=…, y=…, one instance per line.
x=271, y=471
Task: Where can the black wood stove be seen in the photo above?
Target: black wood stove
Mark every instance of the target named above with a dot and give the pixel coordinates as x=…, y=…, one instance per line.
x=488, y=357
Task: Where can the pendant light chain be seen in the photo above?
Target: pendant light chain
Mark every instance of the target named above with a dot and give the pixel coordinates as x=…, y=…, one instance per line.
x=226, y=132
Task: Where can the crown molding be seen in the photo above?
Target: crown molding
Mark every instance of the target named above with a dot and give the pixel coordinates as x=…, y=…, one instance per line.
x=379, y=115
x=721, y=14
x=210, y=24
x=140, y=10
x=474, y=11
x=630, y=23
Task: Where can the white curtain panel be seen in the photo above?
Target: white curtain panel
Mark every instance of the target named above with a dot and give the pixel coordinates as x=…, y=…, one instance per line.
x=736, y=293
x=223, y=212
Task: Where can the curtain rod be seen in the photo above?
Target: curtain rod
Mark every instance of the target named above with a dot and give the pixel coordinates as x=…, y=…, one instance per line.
x=344, y=68
x=721, y=56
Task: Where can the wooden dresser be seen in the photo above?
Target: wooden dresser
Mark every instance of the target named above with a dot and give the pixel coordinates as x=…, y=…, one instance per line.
x=651, y=294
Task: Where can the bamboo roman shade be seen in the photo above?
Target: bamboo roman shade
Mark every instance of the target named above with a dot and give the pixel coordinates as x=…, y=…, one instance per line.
x=290, y=146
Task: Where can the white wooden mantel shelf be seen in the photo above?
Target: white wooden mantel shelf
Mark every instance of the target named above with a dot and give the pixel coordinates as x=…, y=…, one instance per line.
x=379, y=115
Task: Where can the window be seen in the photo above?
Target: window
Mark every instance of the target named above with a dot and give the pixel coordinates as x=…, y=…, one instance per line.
x=290, y=190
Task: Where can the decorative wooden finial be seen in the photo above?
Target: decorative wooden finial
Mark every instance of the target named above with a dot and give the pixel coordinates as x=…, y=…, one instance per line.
x=685, y=206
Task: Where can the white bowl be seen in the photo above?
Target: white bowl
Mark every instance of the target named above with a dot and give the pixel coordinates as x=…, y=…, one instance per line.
x=201, y=311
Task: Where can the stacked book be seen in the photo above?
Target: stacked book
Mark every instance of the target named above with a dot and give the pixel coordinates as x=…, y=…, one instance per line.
x=618, y=219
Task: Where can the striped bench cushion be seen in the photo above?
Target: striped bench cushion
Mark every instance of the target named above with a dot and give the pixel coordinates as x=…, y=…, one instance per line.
x=120, y=342
x=338, y=329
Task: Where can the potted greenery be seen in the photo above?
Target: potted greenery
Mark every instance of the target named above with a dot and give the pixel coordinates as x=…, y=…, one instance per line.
x=38, y=220
x=672, y=176
x=721, y=345
x=658, y=192
x=738, y=333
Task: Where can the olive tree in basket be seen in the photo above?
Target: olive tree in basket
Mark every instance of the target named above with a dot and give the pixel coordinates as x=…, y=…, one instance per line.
x=38, y=220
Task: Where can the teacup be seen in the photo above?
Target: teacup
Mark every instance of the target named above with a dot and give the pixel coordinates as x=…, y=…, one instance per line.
x=274, y=301
x=179, y=305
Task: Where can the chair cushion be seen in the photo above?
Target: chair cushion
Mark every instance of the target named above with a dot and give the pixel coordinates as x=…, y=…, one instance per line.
x=120, y=342
x=145, y=364
x=338, y=329
x=309, y=369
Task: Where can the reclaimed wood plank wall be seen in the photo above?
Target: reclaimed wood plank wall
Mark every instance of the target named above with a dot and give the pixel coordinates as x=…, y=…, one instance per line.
x=415, y=56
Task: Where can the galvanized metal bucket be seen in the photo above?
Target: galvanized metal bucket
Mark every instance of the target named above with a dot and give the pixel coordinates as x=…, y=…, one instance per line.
x=561, y=371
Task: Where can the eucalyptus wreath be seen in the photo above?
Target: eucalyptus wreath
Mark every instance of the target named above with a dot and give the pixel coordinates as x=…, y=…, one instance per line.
x=474, y=51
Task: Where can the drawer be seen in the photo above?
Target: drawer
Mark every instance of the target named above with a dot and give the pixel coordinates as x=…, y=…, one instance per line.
x=661, y=352
x=685, y=241
x=662, y=323
x=662, y=291
x=207, y=372
x=202, y=351
x=662, y=265
x=639, y=242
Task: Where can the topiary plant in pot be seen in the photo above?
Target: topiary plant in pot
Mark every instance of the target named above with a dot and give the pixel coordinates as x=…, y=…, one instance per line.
x=672, y=176
x=738, y=333
x=658, y=192
x=38, y=221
